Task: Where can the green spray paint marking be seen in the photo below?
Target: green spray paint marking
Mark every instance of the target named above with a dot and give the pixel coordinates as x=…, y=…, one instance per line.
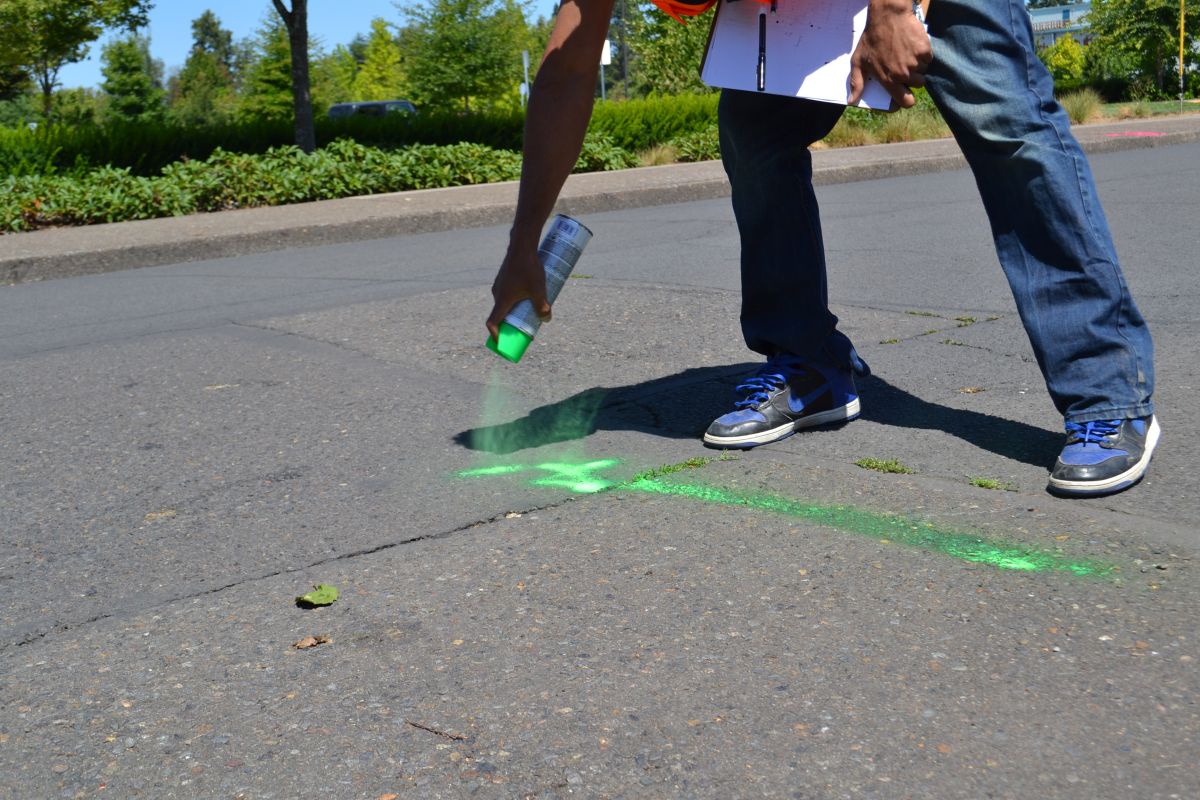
x=489, y=472
x=577, y=477
x=582, y=479
x=963, y=546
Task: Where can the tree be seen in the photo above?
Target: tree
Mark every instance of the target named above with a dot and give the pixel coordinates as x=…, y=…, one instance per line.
x=333, y=77
x=14, y=82
x=668, y=53
x=461, y=51
x=1065, y=60
x=76, y=107
x=380, y=76
x=267, y=85
x=202, y=92
x=1145, y=32
x=132, y=80
x=296, y=21
x=43, y=36
x=209, y=37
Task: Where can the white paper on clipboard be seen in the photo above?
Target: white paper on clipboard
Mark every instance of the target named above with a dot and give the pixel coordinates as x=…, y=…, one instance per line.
x=808, y=47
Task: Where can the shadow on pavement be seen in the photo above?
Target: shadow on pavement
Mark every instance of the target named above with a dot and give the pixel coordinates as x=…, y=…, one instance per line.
x=682, y=406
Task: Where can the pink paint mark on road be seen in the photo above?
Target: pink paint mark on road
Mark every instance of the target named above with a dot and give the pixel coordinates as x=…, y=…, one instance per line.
x=1137, y=133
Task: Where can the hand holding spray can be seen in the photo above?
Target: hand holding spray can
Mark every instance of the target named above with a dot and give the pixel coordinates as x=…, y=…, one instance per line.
x=558, y=252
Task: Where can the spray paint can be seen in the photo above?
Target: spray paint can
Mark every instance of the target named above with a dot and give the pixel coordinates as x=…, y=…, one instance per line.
x=558, y=252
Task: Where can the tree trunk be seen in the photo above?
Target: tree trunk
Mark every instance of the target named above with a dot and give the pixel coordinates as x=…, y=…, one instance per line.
x=296, y=21
x=46, y=80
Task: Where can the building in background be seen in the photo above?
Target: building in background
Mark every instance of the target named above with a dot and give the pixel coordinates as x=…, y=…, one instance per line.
x=1052, y=22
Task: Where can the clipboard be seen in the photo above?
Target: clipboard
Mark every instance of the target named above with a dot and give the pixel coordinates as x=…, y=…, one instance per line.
x=808, y=48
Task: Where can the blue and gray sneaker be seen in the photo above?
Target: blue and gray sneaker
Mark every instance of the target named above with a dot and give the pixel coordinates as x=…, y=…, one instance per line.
x=786, y=395
x=1105, y=456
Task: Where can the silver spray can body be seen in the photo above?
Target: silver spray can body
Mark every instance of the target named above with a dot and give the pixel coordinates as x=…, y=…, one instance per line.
x=559, y=251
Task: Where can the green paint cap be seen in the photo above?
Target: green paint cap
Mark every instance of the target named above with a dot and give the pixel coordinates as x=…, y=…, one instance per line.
x=512, y=344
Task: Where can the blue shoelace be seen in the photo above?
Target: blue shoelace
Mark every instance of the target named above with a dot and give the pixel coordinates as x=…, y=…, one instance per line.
x=1095, y=432
x=769, y=378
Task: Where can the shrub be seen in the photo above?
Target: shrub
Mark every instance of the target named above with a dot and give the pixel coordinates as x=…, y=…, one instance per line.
x=640, y=124
x=912, y=124
x=232, y=180
x=703, y=145
x=1138, y=109
x=1082, y=106
x=658, y=155
x=600, y=152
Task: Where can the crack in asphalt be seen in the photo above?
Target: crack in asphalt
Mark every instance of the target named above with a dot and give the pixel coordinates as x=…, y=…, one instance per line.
x=38, y=636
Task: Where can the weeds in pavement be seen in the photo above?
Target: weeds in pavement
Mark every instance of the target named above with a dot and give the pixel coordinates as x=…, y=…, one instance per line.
x=989, y=483
x=890, y=465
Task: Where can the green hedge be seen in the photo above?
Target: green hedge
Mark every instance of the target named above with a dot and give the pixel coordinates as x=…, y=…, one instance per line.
x=230, y=180
x=146, y=148
x=282, y=175
x=641, y=124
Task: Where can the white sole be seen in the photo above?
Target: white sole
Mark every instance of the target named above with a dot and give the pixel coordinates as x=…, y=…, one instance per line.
x=1126, y=478
x=842, y=414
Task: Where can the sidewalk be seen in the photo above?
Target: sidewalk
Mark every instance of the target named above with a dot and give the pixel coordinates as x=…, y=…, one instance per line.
x=67, y=252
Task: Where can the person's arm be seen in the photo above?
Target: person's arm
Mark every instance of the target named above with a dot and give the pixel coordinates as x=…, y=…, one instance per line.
x=560, y=105
x=894, y=48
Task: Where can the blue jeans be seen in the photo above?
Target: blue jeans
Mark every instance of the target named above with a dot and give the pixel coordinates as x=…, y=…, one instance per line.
x=1090, y=340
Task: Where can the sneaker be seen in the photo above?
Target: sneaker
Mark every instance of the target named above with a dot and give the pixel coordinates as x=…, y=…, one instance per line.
x=1104, y=457
x=786, y=395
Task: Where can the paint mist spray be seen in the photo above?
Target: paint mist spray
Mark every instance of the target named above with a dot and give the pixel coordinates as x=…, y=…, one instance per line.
x=558, y=252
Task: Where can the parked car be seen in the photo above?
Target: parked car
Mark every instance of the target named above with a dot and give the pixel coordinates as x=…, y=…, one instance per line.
x=371, y=108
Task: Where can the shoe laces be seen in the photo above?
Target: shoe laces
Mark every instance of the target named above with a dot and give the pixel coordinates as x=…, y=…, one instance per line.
x=771, y=377
x=1094, y=432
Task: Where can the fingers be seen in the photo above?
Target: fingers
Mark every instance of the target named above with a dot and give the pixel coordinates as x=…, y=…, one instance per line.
x=505, y=302
x=856, y=84
x=493, y=323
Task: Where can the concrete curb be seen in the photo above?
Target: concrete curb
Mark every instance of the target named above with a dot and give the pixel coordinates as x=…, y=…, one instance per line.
x=68, y=252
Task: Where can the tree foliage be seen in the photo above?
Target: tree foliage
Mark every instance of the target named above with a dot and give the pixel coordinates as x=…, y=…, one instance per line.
x=132, y=80
x=1065, y=60
x=43, y=36
x=1145, y=35
x=668, y=53
x=209, y=37
x=267, y=84
x=465, y=51
x=380, y=76
x=202, y=92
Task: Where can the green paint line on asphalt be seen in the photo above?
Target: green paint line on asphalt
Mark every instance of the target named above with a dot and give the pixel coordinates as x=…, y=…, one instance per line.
x=889, y=527
x=489, y=472
x=584, y=478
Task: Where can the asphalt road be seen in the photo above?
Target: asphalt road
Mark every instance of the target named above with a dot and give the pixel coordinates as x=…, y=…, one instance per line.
x=187, y=448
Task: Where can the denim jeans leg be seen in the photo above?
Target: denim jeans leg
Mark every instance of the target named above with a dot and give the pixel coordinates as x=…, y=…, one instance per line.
x=1090, y=340
x=785, y=298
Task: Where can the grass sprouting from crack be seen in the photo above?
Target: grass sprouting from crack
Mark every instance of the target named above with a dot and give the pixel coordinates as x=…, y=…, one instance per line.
x=995, y=485
x=669, y=469
x=890, y=465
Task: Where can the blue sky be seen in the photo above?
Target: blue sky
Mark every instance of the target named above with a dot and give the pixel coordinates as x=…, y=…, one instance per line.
x=332, y=22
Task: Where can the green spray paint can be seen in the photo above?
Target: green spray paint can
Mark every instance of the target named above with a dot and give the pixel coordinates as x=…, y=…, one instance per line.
x=558, y=252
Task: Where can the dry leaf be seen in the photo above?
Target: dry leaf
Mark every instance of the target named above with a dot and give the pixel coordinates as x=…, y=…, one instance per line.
x=311, y=641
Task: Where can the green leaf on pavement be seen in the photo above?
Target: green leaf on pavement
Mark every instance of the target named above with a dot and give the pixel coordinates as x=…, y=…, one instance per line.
x=322, y=595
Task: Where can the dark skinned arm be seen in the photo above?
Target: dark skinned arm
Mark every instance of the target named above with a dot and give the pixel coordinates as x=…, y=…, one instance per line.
x=560, y=105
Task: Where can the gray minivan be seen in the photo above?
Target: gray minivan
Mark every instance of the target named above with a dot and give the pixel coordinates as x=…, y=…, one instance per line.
x=371, y=108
